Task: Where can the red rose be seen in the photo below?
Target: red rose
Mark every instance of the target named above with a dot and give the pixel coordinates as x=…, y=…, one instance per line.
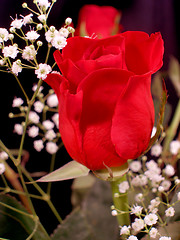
x=102, y=21
x=106, y=112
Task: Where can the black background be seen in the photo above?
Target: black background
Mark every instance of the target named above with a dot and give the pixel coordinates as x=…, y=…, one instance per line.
x=145, y=15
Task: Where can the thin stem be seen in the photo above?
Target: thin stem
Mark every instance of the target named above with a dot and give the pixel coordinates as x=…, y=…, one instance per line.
x=26, y=191
x=45, y=197
x=48, y=52
x=12, y=177
x=121, y=202
x=23, y=136
x=4, y=148
x=51, y=169
x=16, y=210
x=27, y=99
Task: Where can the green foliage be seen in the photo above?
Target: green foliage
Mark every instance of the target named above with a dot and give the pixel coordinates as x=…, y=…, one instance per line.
x=16, y=226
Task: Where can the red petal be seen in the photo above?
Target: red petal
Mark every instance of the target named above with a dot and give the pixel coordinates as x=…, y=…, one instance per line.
x=54, y=80
x=133, y=118
x=143, y=53
x=101, y=90
x=70, y=107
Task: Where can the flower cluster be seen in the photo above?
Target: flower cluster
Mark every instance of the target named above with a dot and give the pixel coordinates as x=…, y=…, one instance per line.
x=152, y=185
x=43, y=120
x=30, y=28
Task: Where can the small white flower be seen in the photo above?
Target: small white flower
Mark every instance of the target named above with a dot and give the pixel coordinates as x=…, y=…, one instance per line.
x=166, y=184
x=33, y=131
x=59, y=42
x=18, y=128
x=2, y=62
x=165, y=238
x=42, y=18
x=160, y=189
x=52, y=101
x=169, y=170
x=170, y=212
x=32, y=35
x=153, y=232
x=43, y=70
x=55, y=119
x=114, y=212
x=17, y=23
x=138, y=224
x=177, y=181
x=156, y=150
x=16, y=67
x=4, y=35
x=3, y=155
x=48, y=124
x=123, y=187
x=132, y=238
x=38, y=106
x=139, y=197
x=50, y=35
x=17, y=102
x=151, y=165
x=29, y=52
x=175, y=147
x=33, y=117
x=139, y=180
x=178, y=196
x=137, y=210
x=43, y=3
x=135, y=166
x=2, y=168
x=10, y=51
x=68, y=21
x=125, y=230
x=51, y=147
x=28, y=19
x=151, y=219
x=35, y=87
x=64, y=32
x=38, y=145
x=50, y=135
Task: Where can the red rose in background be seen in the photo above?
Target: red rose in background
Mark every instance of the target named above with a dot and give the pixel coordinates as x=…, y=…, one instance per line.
x=106, y=112
x=101, y=21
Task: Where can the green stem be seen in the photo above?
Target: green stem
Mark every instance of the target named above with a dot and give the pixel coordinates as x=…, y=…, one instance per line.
x=171, y=132
x=51, y=169
x=121, y=202
x=27, y=99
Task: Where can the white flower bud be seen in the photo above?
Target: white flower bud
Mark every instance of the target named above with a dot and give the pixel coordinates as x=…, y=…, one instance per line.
x=52, y=28
x=39, y=43
x=39, y=26
x=68, y=21
x=24, y=5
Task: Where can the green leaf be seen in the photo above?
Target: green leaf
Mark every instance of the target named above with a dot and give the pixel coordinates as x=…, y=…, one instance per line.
x=94, y=220
x=172, y=230
x=16, y=226
x=74, y=227
x=70, y=170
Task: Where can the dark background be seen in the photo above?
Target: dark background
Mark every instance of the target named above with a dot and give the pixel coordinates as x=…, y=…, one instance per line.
x=145, y=15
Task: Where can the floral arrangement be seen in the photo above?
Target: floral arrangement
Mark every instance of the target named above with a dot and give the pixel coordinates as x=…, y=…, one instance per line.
x=100, y=108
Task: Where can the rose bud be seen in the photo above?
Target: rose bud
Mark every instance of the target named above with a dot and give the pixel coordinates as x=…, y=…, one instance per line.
x=98, y=21
x=106, y=112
